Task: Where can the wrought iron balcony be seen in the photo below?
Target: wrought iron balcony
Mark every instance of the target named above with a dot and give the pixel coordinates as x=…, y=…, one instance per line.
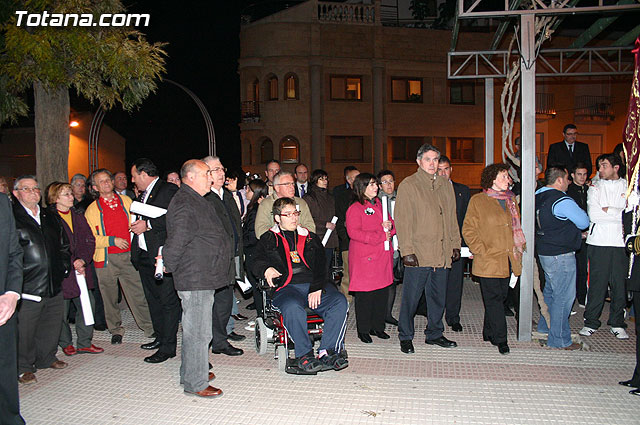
x=545, y=104
x=594, y=108
x=250, y=111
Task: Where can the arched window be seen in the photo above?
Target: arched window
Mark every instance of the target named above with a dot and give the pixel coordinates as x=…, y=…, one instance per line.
x=254, y=91
x=289, y=150
x=291, y=86
x=272, y=87
x=266, y=150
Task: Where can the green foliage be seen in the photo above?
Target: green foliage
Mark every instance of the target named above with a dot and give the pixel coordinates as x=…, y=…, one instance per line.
x=108, y=65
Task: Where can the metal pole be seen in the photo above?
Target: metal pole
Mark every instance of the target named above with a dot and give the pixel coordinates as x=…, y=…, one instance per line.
x=488, y=121
x=528, y=138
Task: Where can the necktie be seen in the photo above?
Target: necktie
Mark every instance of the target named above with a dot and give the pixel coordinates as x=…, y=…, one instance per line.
x=301, y=190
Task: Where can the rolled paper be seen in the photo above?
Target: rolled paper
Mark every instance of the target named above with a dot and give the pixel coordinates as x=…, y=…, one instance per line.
x=244, y=285
x=334, y=220
x=85, y=302
x=29, y=297
x=147, y=210
x=159, y=266
x=385, y=217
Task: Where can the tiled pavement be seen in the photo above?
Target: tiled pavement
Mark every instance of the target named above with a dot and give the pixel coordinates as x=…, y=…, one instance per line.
x=471, y=384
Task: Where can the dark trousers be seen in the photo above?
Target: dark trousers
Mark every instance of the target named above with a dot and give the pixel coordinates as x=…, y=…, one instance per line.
x=607, y=268
x=9, y=398
x=292, y=301
x=454, y=292
x=222, y=305
x=582, y=263
x=39, y=326
x=432, y=282
x=636, y=307
x=163, y=301
x=494, y=292
x=371, y=307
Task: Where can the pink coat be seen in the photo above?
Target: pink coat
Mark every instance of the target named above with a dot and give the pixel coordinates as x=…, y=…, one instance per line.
x=370, y=266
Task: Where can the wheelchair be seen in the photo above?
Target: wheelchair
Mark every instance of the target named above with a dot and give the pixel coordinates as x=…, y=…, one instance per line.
x=270, y=332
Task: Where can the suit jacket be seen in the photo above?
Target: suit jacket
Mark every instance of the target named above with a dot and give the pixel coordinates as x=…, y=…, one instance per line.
x=227, y=210
x=463, y=195
x=560, y=155
x=306, y=190
x=343, y=197
x=160, y=196
x=10, y=250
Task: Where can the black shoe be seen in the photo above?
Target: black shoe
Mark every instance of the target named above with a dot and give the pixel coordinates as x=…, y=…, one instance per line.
x=456, y=327
x=628, y=383
x=229, y=350
x=239, y=317
x=154, y=345
x=486, y=338
x=503, y=348
x=635, y=392
x=158, y=357
x=99, y=327
x=365, y=338
x=116, y=339
x=251, y=306
x=380, y=334
x=236, y=337
x=442, y=342
x=406, y=346
x=210, y=366
x=391, y=320
x=508, y=312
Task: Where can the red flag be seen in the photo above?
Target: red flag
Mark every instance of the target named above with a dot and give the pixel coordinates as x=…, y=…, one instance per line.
x=631, y=134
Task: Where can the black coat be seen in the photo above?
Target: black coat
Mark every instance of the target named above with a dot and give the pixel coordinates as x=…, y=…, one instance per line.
x=463, y=195
x=559, y=155
x=47, y=256
x=160, y=197
x=232, y=222
x=197, y=250
x=10, y=250
x=578, y=194
x=343, y=197
x=633, y=283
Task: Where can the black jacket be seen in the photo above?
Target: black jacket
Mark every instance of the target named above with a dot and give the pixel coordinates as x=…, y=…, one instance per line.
x=343, y=197
x=230, y=216
x=463, y=195
x=197, y=251
x=10, y=250
x=47, y=256
x=578, y=194
x=249, y=240
x=559, y=155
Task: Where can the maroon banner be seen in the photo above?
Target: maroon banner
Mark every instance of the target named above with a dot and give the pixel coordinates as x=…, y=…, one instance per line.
x=631, y=134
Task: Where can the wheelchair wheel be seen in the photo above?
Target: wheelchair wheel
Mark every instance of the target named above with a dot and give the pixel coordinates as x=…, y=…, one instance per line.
x=283, y=356
x=261, y=336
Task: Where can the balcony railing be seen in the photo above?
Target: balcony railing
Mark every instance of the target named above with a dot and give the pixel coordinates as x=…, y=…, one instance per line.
x=594, y=108
x=250, y=111
x=545, y=104
x=346, y=13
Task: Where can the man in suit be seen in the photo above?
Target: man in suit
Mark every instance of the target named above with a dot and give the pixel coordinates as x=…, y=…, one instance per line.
x=569, y=152
x=151, y=233
x=302, y=180
x=10, y=290
x=456, y=273
x=225, y=206
x=343, y=194
x=120, y=182
x=198, y=254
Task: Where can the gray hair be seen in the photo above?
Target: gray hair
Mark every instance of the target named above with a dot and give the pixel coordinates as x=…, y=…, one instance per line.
x=210, y=158
x=282, y=173
x=23, y=177
x=426, y=148
x=78, y=177
x=92, y=177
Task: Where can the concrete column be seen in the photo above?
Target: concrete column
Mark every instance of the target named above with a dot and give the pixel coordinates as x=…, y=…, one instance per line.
x=488, y=122
x=528, y=139
x=317, y=144
x=378, y=116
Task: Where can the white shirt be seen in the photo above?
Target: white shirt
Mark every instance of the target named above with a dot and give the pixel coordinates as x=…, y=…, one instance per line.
x=306, y=187
x=605, y=228
x=570, y=146
x=219, y=192
x=36, y=217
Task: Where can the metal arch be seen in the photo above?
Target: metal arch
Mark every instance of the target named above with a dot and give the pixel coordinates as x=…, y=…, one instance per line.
x=98, y=117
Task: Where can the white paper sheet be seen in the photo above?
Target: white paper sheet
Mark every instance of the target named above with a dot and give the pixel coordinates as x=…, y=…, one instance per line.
x=385, y=217
x=465, y=252
x=85, y=302
x=334, y=220
x=146, y=210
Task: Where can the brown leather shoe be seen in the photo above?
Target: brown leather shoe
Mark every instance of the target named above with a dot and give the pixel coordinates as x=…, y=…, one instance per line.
x=58, y=364
x=212, y=376
x=207, y=392
x=27, y=378
x=574, y=346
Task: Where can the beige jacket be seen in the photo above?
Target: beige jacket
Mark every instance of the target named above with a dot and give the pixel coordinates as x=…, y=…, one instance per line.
x=264, y=219
x=425, y=219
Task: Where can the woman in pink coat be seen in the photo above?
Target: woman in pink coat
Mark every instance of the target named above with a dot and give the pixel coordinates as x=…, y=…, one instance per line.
x=370, y=266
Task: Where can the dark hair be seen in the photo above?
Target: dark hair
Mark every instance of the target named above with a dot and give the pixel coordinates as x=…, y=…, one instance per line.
x=236, y=174
x=553, y=173
x=490, y=173
x=280, y=203
x=260, y=190
x=623, y=166
x=444, y=158
x=578, y=165
x=613, y=160
x=569, y=126
x=349, y=168
x=271, y=161
x=295, y=170
x=383, y=173
x=166, y=176
x=316, y=175
x=145, y=164
x=360, y=184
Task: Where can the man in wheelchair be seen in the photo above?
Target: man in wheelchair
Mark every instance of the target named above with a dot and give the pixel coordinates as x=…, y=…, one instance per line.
x=292, y=259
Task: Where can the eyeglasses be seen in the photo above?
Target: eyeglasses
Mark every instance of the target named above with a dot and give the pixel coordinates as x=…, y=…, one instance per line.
x=217, y=170
x=286, y=184
x=30, y=189
x=291, y=214
x=387, y=182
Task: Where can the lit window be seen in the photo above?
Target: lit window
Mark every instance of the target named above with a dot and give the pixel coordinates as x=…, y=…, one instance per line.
x=347, y=148
x=462, y=93
x=289, y=150
x=346, y=88
x=406, y=90
x=291, y=90
x=273, y=88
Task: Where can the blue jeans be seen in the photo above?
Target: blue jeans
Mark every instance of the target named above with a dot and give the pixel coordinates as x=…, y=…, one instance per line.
x=292, y=301
x=196, y=336
x=432, y=281
x=559, y=294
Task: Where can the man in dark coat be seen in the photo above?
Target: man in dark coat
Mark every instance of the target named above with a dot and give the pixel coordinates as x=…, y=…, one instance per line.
x=343, y=196
x=578, y=192
x=10, y=290
x=151, y=233
x=569, y=152
x=198, y=253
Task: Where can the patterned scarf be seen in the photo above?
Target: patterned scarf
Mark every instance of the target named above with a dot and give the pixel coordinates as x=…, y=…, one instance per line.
x=510, y=200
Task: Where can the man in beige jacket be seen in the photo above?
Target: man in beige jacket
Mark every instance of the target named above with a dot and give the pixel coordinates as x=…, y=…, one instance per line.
x=429, y=239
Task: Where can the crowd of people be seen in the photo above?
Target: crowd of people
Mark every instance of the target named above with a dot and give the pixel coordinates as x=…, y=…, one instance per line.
x=92, y=248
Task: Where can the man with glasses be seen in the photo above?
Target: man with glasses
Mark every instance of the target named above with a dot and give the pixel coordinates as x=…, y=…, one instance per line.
x=284, y=187
x=47, y=261
x=569, y=152
x=81, y=196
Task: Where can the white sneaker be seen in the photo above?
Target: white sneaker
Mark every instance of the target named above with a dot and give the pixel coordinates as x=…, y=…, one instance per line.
x=251, y=323
x=250, y=328
x=587, y=331
x=620, y=333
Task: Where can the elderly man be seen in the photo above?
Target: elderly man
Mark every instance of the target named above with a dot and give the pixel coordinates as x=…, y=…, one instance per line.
x=109, y=220
x=10, y=290
x=199, y=253
x=283, y=184
x=429, y=240
x=47, y=261
x=81, y=196
x=164, y=305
